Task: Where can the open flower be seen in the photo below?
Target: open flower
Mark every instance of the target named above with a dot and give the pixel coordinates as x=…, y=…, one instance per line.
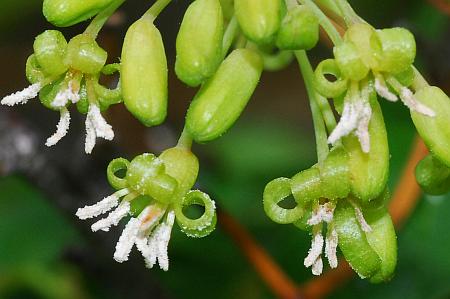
x=64, y=73
x=154, y=192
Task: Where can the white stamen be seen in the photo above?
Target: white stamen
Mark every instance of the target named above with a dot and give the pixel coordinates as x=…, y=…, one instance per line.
x=317, y=267
x=22, y=97
x=362, y=131
x=384, y=91
x=347, y=123
x=360, y=217
x=71, y=93
x=316, y=248
x=323, y=213
x=61, y=128
x=355, y=117
x=127, y=240
x=163, y=241
x=102, y=128
x=113, y=218
x=96, y=126
x=102, y=206
x=89, y=144
x=331, y=243
x=409, y=100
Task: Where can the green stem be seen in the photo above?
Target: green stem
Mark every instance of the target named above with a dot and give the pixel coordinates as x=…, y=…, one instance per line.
x=347, y=12
x=319, y=126
x=230, y=35
x=154, y=11
x=327, y=113
x=324, y=21
x=185, y=140
x=97, y=23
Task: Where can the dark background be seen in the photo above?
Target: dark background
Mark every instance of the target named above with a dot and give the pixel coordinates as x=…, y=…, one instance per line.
x=46, y=252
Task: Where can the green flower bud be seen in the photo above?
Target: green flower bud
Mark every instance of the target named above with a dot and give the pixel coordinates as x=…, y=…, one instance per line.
x=299, y=30
x=227, y=8
x=85, y=55
x=353, y=242
x=144, y=73
x=203, y=225
x=48, y=93
x=360, y=35
x=369, y=171
x=433, y=176
x=64, y=13
x=350, y=63
x=435, y=131
x=199, y=42
x=147, y=175
x=276, y=61
x=327, y=88
x=50, y=51
x=222, y=98
x=406, y=78
x=182, y=165
x=259, y=19
x=383, y=240
x=33, y=70
x=398, y=49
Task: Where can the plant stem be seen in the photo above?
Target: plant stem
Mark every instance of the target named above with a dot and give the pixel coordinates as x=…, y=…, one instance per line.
x=326, y=24
x=154, y=11
x=185, y=140
x=229, y=35
x=327, y=113
x=319, y=126
x=349, y=15
x=97, y=23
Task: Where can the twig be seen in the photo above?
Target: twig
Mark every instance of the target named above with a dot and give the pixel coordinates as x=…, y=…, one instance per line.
x=272, y=274
x=443, y=6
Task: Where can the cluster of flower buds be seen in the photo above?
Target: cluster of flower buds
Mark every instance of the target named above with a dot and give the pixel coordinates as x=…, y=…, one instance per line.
x=346, y=191
x=155, y=191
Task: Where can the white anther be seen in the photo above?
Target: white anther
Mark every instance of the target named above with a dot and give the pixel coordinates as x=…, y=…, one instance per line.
x=89, y=144
x=317, y=266
x=409, y=100
x=96, y=126
x=360, y=218
x=316, y=248
x=362, y=131
x=102, y=128
x=102, y=206
x=127, y=240
x=113, y=218
x=384, y=91
x=331, y=243
x=22, y=97
x=69, y=94
x=356, y=117
x=61, y=128
x=160, y=239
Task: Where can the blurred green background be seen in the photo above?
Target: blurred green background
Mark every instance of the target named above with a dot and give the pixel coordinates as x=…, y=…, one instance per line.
x=46, y=253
